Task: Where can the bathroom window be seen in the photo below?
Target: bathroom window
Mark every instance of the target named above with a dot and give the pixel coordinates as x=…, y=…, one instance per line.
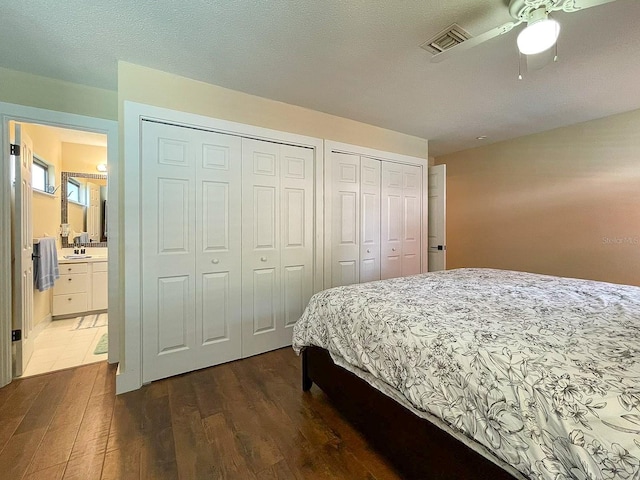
x=39, y=175
x=73, y=190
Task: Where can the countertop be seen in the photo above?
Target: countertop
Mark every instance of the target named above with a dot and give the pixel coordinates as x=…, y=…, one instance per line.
x=91, y=259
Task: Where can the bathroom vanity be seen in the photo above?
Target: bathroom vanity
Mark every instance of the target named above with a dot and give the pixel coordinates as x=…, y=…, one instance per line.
x=82, y=286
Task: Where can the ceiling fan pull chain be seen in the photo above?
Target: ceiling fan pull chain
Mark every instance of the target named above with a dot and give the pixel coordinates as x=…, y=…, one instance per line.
x=519, y=66
x=555, y=58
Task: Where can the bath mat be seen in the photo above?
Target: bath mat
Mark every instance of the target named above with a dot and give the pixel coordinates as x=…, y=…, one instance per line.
x=102, y=345
x=91, y=321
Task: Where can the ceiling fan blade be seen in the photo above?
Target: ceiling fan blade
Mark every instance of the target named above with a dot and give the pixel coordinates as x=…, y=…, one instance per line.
x=473, y=41
x=575, y=5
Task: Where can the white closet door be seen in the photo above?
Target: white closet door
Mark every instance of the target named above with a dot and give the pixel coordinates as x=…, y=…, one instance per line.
x=218, y=237
x=401, y=219
x=296, y=227
x=345, y=208
x=369, y=219
x=391, y=220
x=260, y=245
x=190, y=204
x=277, y=242
x=412, y=219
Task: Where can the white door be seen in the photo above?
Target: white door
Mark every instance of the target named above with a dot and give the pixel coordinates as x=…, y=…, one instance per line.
x=345, y=207
x=437, y=218
x=22, y=252
x=411, y=219
x=401, y=218
x=296, y=238
x=277, y=242
x=391, y=221
x=191, y=236
x=369, y=219
x=93, y=212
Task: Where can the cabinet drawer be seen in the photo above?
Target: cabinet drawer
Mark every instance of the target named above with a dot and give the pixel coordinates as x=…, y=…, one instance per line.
x=70, y=303
x=67, y=268
x=99, y=266
x=71, y=284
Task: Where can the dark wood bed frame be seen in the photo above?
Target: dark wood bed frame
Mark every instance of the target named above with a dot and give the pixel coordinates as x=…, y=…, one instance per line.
x=416, y=447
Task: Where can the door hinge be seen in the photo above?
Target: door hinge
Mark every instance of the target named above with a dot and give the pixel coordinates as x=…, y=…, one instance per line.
x=14, y=150
x=16, y=335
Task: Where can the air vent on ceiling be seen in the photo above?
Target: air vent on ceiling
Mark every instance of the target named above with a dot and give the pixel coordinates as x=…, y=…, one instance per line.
x=450, y=37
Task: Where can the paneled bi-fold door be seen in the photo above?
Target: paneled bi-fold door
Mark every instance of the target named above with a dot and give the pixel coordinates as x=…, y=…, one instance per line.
x=401, y=220
x=277, y=242
x=227, y=255
x=355, y=214
x=191, y=249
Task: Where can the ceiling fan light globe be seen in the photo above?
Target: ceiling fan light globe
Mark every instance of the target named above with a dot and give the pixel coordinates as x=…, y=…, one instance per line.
x=538, y=37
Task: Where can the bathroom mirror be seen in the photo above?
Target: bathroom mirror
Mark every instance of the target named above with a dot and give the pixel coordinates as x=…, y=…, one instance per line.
x=84, y=206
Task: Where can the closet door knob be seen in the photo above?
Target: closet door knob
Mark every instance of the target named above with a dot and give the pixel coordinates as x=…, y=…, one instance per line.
x=215, y=260
x=263, y=259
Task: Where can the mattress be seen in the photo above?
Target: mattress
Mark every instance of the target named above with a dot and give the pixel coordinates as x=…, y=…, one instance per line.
x=542, y=372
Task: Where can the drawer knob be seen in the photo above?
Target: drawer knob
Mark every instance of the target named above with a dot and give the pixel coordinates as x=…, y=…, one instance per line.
x=69, y=269
x=263, y=259
x=368, y=250
x=393, y=249
x=68, y=299
x=69, y=279
x=215, y=260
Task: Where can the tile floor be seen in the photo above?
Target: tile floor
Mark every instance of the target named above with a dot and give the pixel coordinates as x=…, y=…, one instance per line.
x=58, y=347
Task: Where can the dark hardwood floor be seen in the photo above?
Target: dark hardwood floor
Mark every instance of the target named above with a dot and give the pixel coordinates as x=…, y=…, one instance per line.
x=247, y=419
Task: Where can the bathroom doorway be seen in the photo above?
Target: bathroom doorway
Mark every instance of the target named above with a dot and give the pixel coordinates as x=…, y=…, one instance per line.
x=15, y=328
x=68, y=208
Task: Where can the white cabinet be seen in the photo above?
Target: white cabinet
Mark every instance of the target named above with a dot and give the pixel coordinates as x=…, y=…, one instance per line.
x=375, y=218
x=99, y=286
x=82, y=287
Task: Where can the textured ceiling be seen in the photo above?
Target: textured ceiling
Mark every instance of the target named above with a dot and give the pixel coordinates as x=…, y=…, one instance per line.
x=358, y=59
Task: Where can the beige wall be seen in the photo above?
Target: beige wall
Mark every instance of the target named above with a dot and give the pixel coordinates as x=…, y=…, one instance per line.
x=42, y=92
x=76, y=219
x=564, y=202
x=153, y=87
x=82, y=158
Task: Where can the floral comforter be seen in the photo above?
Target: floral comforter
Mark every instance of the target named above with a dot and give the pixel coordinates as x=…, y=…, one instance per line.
x=542, y=371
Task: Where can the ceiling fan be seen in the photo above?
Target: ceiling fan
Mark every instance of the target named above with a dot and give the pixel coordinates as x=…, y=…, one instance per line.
x=541, y=32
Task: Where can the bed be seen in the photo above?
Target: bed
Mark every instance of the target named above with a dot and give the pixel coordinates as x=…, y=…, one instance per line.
x=482, y=373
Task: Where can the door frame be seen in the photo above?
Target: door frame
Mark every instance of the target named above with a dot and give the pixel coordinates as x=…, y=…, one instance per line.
x=129, y=375
x=339, y=147
x=24, y=114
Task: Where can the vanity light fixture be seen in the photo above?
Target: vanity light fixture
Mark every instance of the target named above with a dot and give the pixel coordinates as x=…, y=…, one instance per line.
x=101, y=167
